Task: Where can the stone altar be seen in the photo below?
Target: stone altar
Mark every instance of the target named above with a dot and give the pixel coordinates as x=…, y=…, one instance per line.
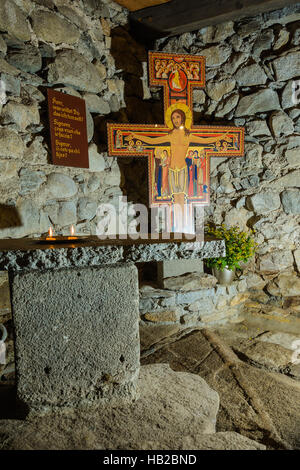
x=76, y=316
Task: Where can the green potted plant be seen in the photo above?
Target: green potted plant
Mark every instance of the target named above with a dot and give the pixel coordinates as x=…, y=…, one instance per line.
x=240, y=246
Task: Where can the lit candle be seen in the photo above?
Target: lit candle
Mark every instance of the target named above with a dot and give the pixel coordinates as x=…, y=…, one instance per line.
x=72, y=234
x=50, y=234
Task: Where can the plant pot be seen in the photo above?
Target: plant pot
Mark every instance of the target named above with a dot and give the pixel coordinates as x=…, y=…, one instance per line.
x=224, y=277
x=3, y=333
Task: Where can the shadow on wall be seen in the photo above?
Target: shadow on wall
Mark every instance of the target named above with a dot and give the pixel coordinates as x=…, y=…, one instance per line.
x=129, y=56
x=9, y=217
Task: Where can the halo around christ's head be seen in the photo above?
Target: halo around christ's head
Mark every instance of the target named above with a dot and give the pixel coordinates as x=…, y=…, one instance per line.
x=183, y=107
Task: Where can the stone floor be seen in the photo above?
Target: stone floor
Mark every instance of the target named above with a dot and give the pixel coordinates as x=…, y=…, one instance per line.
x=252, y=371
x=248, y=364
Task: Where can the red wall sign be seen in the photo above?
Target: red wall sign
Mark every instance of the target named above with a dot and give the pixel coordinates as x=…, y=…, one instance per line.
x=68, y=130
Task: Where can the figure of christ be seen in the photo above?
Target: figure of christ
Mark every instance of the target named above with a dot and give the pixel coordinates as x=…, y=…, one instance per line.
x=179, y=138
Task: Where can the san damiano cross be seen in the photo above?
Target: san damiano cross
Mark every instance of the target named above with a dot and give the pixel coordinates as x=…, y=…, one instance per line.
x=178, y=152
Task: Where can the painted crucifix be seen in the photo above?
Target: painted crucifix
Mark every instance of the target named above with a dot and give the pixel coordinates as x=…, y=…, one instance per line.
x=178, y=152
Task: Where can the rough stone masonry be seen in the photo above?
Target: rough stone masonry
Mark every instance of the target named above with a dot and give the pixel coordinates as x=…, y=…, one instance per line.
x=251, y=68
x=64, y=45
x=252, y=74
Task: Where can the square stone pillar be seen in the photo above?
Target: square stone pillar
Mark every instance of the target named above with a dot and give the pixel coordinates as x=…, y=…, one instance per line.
x=76, y=336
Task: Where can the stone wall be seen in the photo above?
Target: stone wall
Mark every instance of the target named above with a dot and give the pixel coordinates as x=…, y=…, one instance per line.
x=87, y=51
x=64, y=45
x=187, y=302
x=251, y=66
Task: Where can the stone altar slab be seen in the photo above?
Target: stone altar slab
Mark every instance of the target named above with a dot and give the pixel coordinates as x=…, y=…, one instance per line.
x=29, y=254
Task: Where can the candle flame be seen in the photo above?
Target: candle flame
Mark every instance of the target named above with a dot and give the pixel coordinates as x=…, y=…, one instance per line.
x=50, y=232
x=72, y=230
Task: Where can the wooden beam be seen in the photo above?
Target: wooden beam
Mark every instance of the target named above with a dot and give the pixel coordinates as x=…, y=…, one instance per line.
x=181, y=16
x=134, y=5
